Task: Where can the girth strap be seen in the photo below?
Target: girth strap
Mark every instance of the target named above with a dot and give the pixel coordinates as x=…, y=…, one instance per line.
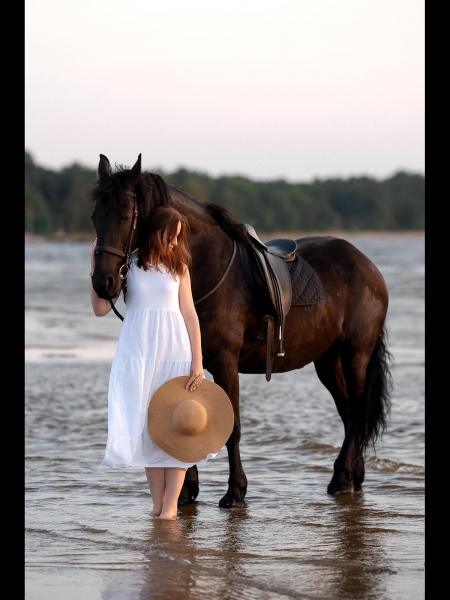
x=265, y=330
x=259, y=338
x=269, y=352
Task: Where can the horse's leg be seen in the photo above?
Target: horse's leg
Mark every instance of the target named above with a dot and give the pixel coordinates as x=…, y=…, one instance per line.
x=330, y=372
x=225, y=372
x=360, y=382
x=190, y=489
x=344, y=377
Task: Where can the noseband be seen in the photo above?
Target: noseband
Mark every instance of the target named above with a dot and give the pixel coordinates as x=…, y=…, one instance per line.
x=123, y=271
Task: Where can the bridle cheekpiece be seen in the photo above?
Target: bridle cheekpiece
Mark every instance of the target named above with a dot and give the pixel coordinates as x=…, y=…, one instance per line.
x=126, y=253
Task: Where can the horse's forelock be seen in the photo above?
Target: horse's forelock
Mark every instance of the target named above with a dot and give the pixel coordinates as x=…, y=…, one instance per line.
x=110, y=189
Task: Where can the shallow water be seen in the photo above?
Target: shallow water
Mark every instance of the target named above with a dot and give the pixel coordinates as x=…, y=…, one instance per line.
x=88, y=530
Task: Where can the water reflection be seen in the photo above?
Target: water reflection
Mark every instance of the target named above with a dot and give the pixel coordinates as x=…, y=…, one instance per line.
x=167, y=556
x=234, y=540
x=172, y=536
x=358, y=555
x=179, y=565
x=234, y=530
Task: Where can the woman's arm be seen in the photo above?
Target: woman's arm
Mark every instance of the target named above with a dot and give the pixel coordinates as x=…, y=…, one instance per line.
x=100, y=306
x=193, y=327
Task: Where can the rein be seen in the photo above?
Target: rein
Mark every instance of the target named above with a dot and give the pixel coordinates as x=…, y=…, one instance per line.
x=223, y=276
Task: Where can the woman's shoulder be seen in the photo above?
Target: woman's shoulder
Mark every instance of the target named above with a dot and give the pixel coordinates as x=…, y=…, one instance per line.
x=185, y=278
x=185, y=271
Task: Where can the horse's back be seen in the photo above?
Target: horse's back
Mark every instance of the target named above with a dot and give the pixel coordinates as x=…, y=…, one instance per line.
x=327, y=247
x=349, y=279
x=326, y=251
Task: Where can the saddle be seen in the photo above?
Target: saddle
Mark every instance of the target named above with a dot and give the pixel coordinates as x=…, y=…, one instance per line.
x=286, y=279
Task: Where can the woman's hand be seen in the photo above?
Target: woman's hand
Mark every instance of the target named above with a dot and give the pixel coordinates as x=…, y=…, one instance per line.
x=197, y=376
x=93, y=255
x=193, y=327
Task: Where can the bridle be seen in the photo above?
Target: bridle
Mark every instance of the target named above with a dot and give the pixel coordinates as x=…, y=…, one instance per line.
x=126, y=253
x=123, y=271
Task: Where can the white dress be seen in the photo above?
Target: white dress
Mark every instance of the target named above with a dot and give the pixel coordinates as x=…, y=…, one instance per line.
x=153, y=347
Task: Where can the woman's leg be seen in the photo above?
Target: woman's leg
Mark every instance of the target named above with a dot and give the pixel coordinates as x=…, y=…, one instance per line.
x=156, y=483
x=174, y=482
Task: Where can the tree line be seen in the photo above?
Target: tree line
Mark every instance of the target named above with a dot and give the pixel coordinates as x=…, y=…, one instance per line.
x=57, y=201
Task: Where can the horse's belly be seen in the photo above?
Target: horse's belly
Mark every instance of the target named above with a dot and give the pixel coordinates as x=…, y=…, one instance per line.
x=256, y=363
x=308, y=333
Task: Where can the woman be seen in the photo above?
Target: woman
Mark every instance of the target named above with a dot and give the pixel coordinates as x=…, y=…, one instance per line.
x=159, y=340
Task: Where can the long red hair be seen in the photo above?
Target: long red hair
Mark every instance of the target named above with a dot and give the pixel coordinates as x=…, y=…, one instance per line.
x=162, y=228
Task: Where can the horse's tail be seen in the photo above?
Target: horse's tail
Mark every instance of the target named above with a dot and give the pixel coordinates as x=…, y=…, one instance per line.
x=374, y=406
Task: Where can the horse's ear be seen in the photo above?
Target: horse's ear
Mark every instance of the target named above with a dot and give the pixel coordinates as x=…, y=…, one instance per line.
x=104, y=168
x=135, y=172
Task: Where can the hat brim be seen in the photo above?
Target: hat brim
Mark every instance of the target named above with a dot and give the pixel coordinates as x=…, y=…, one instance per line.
x=190, y=448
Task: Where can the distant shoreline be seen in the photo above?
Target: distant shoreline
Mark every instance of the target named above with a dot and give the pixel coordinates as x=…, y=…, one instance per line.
x=86, y=237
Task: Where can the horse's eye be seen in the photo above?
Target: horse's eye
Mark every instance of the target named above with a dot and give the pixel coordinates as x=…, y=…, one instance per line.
x=124, y=219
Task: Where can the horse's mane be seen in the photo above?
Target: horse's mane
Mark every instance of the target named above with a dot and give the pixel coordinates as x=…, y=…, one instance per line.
x=220, y=214
x=153, y=191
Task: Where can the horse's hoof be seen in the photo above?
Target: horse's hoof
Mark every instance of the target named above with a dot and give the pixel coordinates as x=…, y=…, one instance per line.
x=335, y=489
x=187, y=496
x=342, y=492
x=230, y=502
x=183, y=500
x=191, y=487
x=358, y=480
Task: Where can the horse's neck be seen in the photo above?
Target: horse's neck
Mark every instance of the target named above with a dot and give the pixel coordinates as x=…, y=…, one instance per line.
x=200, y=221
x=210, y=246
x=190, y=208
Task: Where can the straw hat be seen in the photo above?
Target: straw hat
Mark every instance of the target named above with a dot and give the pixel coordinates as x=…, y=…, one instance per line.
x=190, y=425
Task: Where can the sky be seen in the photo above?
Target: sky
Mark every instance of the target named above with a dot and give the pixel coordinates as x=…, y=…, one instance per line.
x=276, y=89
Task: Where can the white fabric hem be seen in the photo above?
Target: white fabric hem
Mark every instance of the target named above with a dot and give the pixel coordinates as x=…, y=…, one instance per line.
x=159, y=465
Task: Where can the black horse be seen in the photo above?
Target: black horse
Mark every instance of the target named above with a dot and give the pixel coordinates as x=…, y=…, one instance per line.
x=343, y=334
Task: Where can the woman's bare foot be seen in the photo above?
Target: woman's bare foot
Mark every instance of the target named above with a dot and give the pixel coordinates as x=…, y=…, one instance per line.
x=167, y=516
x=155, y=512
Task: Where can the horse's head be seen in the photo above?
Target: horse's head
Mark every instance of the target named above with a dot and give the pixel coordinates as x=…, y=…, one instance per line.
x=115, y=217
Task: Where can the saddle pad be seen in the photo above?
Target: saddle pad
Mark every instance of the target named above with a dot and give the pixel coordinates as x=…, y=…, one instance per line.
x=306, y=285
